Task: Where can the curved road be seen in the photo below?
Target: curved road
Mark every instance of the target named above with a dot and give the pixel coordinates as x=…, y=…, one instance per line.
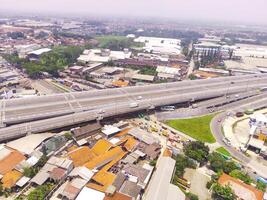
x=251, y=165
x=216, y=129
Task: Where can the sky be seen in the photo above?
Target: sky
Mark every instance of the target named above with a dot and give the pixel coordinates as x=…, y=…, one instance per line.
x=250, y=11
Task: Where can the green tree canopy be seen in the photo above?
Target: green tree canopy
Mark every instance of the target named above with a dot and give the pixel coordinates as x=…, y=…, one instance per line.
x=197, y=150
x=223, y=192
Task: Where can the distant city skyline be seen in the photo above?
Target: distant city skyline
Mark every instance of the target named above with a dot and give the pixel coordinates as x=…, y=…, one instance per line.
x=246, y=11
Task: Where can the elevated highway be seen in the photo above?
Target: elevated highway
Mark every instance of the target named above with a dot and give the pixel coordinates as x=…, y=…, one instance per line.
x=36, y=108
x=39, y=114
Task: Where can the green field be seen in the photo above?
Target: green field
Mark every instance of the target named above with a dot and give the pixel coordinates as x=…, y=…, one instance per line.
x=197, y=128
x=115, y=42
x=223, y=151
x=106, y=39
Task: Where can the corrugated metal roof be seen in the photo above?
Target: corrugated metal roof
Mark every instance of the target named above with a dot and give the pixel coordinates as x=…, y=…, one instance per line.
x=160, y=187
x=10, y=178
x=9, y=162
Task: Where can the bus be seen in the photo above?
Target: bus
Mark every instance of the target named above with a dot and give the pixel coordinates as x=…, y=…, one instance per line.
x=167, y=108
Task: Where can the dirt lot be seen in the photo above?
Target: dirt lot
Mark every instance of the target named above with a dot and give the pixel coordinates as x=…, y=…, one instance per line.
x=198, y=183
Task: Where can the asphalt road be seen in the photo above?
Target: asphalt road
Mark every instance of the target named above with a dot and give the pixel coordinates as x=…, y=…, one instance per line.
x=253, y=167
x=23, y=110
x=216, y=129
x=61, y=110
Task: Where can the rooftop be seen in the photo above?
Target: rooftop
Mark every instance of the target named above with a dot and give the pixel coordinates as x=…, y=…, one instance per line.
x=40, y=178
x=143, y=77
x=242, y=190
x=9, y=179
x=101, y=147
x=85, y=130
x=10, y=161
x=143, y=136
x=160, y=187
x=131, y=189
x=81, y=155
x=120, y=83
x=118, y=196
x=93, y=194
x=136, y=171
x=103, y=159
x=58, y=174
x=40, y=51
x=82, y=172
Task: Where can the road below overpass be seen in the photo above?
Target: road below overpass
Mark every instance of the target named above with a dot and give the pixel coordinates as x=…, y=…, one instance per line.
x=112, y=102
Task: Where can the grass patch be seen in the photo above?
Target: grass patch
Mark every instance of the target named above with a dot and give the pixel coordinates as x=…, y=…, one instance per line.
x=197, y=128
x=106, y=39
x=223, y=151
x=115, y=42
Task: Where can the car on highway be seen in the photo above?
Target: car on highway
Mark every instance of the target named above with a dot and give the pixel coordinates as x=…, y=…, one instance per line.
x=239, y=114
x=194, y=106
x=167, y=108
x=211, y=110
x=249, y=111
x=227, y=141
x=100, y=112
x=133, y=105
x=139, y=98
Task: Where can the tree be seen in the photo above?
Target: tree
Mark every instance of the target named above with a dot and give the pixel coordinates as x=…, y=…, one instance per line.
x=68, y=135
x=1, y=190
x=40, y=192
x=222, y=192
x=192, y=196
x=197, y=150
x=192, y=77
x=218, y=163
x=241, y=175
x=229, y=166
x=42, y=161
x=153, y=163
x=185, y=51
x=50, y=62
x=30, y=171
x=261, y=186
x=183, y=162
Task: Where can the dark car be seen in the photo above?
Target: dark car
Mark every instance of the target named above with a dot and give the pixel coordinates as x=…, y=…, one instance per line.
x=239, y=114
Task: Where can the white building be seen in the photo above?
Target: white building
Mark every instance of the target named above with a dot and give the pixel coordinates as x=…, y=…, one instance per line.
x=103, y=55
x=160, y=187
x=203, y=47
x=156, y=45
x=168, y=72
x=251, y=51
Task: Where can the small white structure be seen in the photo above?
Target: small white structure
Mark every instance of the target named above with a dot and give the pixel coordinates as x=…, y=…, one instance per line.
x=82, y=172
x=110, y=130
x=88, y=193
x=22, y=181
x=38, y=52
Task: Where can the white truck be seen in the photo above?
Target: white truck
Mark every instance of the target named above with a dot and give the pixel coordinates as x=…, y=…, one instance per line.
x=133, y=105
x=194, y=105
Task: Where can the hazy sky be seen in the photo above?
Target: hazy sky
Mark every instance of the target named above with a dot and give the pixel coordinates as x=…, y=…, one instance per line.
x=228, y=10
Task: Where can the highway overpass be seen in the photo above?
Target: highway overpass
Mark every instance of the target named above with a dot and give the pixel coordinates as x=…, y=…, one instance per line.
x=39, y=114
